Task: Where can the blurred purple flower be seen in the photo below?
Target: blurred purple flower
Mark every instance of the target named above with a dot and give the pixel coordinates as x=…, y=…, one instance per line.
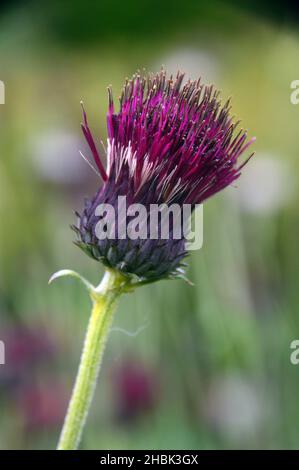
x=42, y=406
x=136, y=389
x=25, y=347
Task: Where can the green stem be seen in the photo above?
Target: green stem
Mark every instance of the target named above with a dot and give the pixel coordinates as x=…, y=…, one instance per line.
x=104, y=302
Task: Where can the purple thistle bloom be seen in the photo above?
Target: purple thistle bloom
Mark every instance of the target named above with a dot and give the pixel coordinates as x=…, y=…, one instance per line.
x=169, y=143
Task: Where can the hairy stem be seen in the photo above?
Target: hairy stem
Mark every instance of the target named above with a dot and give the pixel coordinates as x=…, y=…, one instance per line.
x=104, y=301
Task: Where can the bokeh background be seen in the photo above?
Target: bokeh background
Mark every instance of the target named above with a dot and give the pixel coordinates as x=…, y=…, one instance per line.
x=203, y=367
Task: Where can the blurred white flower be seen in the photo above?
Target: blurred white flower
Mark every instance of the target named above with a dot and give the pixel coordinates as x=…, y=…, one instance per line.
x=56, y=157
x=194, y=62
x=266, y=186
x=234, y=407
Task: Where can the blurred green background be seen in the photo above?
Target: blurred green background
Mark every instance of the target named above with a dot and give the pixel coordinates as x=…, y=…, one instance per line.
x=203, y=367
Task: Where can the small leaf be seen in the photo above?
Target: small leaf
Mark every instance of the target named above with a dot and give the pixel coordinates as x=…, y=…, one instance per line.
x=69, y=272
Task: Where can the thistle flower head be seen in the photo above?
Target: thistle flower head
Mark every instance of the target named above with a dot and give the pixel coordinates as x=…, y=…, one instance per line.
x=169, y=143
